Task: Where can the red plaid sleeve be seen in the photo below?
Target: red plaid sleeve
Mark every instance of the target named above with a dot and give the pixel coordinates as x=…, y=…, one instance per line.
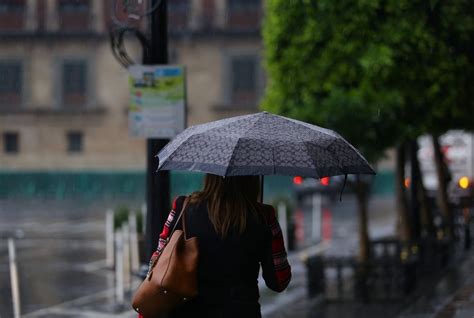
x=276, y=269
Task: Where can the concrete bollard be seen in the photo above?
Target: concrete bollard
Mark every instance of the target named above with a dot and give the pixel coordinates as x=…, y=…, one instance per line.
x=282, y=219
x=134, y=256
x=109, y=238
x=126, y=255
x=15, y=286
x=119, y=283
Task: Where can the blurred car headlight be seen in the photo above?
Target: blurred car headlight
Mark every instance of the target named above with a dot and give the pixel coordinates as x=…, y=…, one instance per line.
x=463, y=182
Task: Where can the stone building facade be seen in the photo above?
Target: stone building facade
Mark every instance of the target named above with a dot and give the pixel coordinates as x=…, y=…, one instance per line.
x=63, y=96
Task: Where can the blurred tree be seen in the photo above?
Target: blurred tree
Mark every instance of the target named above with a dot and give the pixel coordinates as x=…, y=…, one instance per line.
x=380, y=72
x=449, y=92
x=327, y=64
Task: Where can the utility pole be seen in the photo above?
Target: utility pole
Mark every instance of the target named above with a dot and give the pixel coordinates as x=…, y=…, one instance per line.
x=157, y=183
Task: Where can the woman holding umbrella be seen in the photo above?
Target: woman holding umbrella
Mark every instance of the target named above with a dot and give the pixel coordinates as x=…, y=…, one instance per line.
x=237, y=235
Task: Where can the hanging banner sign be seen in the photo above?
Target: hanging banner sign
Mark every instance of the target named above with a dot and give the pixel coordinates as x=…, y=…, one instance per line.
x=157, y=100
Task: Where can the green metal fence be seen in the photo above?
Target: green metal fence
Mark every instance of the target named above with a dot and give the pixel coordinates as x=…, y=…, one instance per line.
x=72, y=185
x=130, y=185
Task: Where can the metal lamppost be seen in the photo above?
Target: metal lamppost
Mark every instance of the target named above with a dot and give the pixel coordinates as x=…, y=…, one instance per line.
x=157, y=183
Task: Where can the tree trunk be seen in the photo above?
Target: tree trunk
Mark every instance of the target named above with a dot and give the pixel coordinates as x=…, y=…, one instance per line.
x=442, y=173
x=404, y=229
x=426, y=214
x=364, y=243
x=415, y=217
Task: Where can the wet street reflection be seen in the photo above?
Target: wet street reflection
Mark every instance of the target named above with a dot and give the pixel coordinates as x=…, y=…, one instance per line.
x=61, y=255
x=60, y=252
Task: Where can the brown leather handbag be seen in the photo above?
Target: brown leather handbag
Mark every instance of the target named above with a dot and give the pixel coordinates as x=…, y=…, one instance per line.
x=172, y=277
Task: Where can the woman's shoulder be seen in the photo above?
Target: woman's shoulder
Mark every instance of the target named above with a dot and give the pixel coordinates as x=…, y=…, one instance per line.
x=267, y=210
x=178, y=202
x=194, y=203
x=266, y=207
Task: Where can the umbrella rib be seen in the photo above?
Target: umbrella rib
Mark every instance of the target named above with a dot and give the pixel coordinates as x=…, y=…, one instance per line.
x=161, y=162
x=335, y=157
x=204, y=131
x=350, y=146
x=231, y=156
x=182, y=144
x=332, y=155
x=237, y=142
x=358, y=154
x=312, y=159
x=330, y=133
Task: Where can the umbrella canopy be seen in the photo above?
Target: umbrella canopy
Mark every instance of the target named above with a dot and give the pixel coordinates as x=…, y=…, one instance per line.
x=262, y=144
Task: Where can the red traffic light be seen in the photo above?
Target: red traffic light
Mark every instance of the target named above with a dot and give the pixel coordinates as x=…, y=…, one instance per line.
x=324, y=181
x=298, y=180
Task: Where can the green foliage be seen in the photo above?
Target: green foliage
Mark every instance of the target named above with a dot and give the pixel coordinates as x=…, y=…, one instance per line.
x=121, y=214
x=377, y=72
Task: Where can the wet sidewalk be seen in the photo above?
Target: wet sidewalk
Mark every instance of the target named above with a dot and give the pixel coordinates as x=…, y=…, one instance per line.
x=103, y=304
x=461, y=305
x=65, y=247
x=451, y=297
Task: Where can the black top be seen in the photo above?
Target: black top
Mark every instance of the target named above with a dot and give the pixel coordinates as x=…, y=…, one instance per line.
x=228, y=267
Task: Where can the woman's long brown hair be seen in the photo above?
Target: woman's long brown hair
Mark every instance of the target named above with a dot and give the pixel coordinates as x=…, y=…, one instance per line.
x=229, y=201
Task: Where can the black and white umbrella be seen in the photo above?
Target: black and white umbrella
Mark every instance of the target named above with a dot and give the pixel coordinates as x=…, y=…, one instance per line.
x=262, y=144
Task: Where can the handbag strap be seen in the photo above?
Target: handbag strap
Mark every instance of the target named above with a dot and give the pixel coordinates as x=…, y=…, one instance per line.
x=183, y=221
x=185, y=204
x=153, y=262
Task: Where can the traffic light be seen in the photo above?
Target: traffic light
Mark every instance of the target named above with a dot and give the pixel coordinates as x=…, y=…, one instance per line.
x=324, y=181
x=298, y=180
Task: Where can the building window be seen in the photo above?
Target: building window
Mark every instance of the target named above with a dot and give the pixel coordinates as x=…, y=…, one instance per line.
x=10, y=142
x=244, y=80
x=208, y=14
x=244, y=14
x=244, y=4
x=74, y=142
x=78, y=6
x=10, y=84
x=74, y=15
x=12, y=14
x=178, y=14
x=74, y=84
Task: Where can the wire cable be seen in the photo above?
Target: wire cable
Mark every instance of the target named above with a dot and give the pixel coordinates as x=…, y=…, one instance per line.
x=133, y=11
x=119, y=51
x=121, y=27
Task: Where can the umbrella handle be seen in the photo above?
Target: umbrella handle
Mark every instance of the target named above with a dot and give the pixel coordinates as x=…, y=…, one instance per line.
x=261, y=189
x=343, y=186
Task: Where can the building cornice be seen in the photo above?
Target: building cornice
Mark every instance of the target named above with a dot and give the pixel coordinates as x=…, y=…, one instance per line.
x=217, y=34
x=98, y=110
x=60, y=36
x=86, y=35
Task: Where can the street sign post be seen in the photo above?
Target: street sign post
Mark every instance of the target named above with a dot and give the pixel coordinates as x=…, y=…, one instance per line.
x=157, y=183
x=157, y=100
